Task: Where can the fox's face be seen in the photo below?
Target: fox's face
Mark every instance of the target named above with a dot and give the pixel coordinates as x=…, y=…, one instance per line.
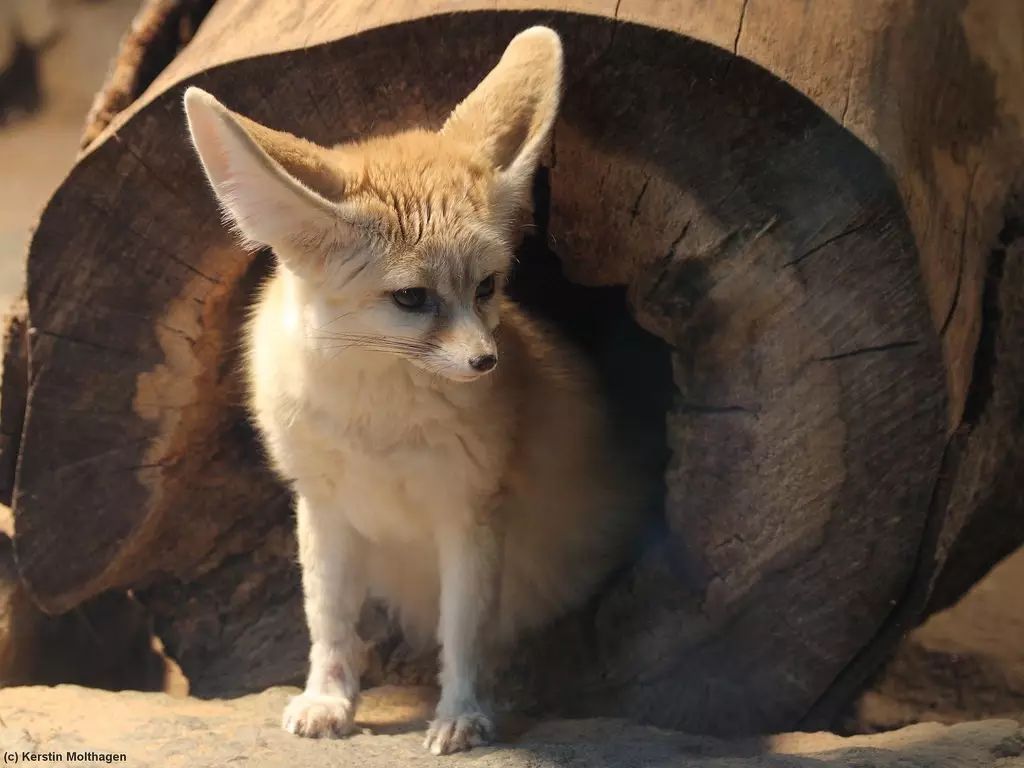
x=425, y=280
x=400, y=245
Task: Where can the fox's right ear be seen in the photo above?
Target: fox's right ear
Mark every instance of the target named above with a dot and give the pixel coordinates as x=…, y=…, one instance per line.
x=275, y=188
x=510, y=114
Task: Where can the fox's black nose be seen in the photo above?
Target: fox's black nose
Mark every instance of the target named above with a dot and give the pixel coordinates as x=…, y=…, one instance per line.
x=483, y=363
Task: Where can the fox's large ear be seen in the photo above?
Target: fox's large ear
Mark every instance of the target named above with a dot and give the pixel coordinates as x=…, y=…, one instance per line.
x=510, y=114
x=275, y=188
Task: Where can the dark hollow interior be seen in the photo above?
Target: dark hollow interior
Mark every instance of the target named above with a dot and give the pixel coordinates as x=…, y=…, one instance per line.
x=634, y=366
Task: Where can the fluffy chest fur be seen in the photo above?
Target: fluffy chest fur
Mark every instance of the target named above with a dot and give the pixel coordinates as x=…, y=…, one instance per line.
x=398, y=450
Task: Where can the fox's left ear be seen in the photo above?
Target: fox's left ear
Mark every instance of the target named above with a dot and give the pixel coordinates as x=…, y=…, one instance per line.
x=275, y=188
x=510, y=114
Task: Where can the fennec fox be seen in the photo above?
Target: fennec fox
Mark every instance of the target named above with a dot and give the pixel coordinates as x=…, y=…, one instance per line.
x=448, y=455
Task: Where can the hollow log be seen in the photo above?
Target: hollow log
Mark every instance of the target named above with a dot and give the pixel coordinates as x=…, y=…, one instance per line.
x=809, y=210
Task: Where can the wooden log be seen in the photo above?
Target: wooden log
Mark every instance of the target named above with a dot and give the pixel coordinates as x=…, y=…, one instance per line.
x=13, y=393
x=159, y=30
x=768, y=190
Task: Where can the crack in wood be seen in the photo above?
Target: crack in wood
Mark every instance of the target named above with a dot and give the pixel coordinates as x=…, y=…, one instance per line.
x=615, y=25
x=157, y=246
x=846, y=100
x=665, y=261
x=171, y=190
x=93, y=458
x=867, y=350
x=707, y=409
x=152, y=465
x=982, y=385
x=81, y=342
x=852, y=230
x=957, y=286
x=635, y=210
x=739, y=28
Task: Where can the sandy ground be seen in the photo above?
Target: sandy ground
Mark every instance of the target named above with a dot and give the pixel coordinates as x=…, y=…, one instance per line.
x=152, y=729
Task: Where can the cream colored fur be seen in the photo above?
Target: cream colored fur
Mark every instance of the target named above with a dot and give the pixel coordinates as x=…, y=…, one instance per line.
x=477, y=504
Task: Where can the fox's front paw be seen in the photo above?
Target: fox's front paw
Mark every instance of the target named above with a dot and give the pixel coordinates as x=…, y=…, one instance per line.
x=316, y=716
x=455, y=734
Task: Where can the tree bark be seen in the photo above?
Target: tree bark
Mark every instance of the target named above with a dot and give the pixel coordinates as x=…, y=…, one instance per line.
x=802, y=203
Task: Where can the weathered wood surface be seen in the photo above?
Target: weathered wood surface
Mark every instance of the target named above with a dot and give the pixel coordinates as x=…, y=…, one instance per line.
x=157, y=33
x=13, y=393
x=813, y=249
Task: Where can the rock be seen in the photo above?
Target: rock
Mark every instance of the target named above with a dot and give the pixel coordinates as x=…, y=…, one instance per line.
x=154, y=729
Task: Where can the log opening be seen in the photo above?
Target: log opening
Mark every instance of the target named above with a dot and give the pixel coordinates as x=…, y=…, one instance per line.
x=634, y=365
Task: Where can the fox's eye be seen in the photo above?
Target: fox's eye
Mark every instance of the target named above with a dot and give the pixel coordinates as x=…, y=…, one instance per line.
x=486, y=288
x=410, y=298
